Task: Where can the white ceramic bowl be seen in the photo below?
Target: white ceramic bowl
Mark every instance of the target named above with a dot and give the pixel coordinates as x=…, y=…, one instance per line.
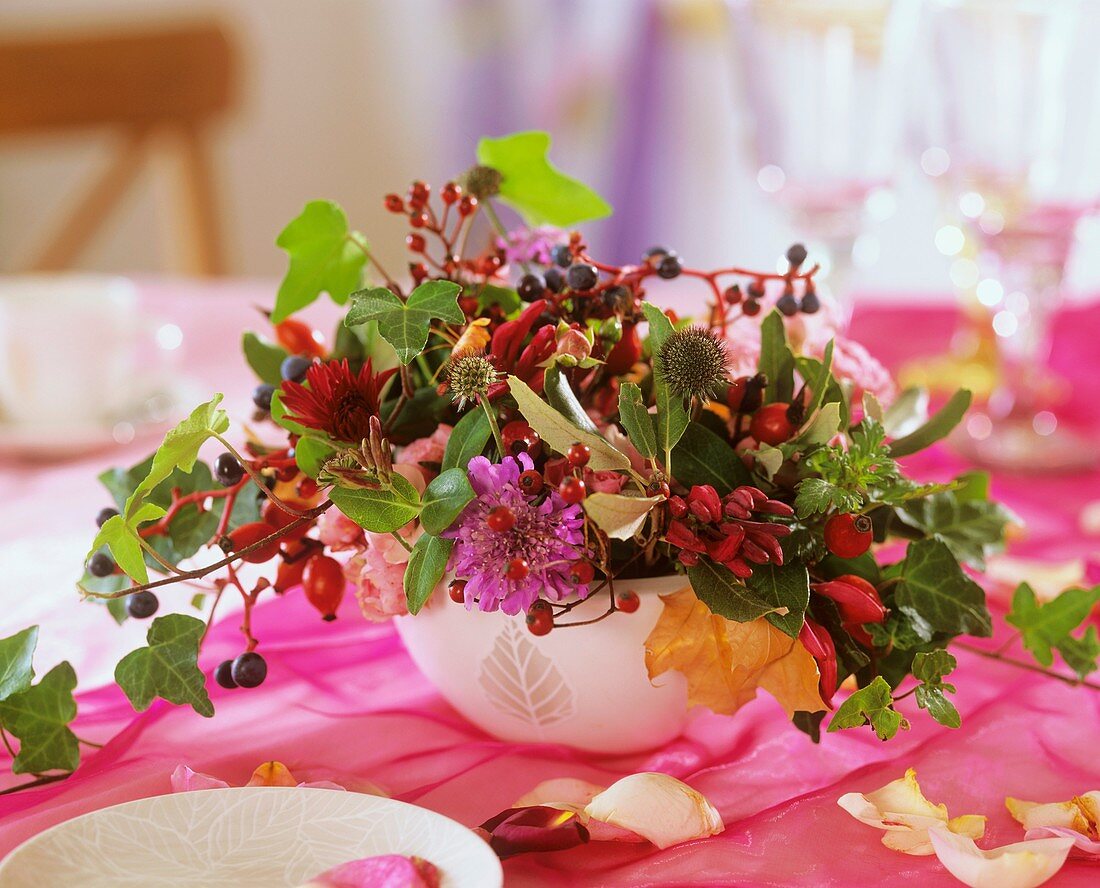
x=251, y=837
x=585, y=687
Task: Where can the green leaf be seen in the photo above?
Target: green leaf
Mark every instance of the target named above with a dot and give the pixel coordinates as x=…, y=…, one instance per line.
x=279, y=416
x=507, y=298
x=560, y=434
x=534, y=187
x=468, y=439
x=427, y=565
x=324, y=256
x=702, y=457
x=672, y=416
x=932, y=584
x=717, y=587
x=1080, y=653
x=929, y=668
x=16, y=654
x=818, y=375
x=619, y=516
x=167, y=667
x=560, y=395
x=939, y=425
x=904, y=629
x=770, y=459
x=444, y=500
x=637, y=420
x=405, y=325
x=265, y=358
x=908, y=413
x=776, y=360
x=971, y=527
x=380, y=511
x=822, y=427
x=39, y=718
x=786, y=586
x=124, y=542
x=1045, y=627
x=311, y=454
x=816, y=495
x=873, y=705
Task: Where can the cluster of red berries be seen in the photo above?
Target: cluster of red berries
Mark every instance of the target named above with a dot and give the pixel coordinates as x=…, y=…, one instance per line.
x=540, y=615
x=725, y=530
x=518, y=436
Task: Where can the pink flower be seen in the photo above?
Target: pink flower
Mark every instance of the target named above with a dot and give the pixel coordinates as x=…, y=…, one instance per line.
x=426, y=450
x=378, y=573
x=338, y=532
x=531, y=244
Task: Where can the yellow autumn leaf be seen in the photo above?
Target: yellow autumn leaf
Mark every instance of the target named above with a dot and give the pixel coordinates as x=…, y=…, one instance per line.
x=725, y=662
x=474, y=338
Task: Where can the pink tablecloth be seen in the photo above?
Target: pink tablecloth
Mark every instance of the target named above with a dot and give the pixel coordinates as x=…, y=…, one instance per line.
x=344, y=702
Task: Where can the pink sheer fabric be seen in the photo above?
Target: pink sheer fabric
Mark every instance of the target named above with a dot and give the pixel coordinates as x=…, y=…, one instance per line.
x=343, y=702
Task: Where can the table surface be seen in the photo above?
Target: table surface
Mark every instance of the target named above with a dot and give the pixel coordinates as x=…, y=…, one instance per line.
x=344, y=702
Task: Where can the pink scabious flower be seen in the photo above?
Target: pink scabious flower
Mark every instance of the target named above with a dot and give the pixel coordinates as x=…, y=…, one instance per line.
x=531, y=244
x=378, y=573
x=549, y=536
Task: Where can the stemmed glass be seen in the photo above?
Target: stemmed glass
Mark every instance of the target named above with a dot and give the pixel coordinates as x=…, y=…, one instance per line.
x=1016, y=136
x=824, y=80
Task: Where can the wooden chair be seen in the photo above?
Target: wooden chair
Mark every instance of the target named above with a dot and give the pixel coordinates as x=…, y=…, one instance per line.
x=158, y=88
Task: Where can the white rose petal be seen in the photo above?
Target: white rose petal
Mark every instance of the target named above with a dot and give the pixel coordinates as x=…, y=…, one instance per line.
x=1020, y=865
x=656, y=807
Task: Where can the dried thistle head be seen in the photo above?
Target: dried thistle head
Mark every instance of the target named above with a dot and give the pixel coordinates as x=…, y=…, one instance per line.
x=469, y=376
x=694, y=362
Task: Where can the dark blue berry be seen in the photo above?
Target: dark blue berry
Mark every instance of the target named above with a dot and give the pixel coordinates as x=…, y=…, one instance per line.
x=562, y=255
x=655, y=254
x=750, y=308
x=104, y=516
x=101, y=565
x=796, y=255
x=261, y=396
x=554, y=279
x=249, y=670
x=294, y=368
x=531, y=287
x=669, y=267
x=787, y=304
x=228, y=470
x=810, y=303
x=582, y=276
x=223, y=675
x=142, y=605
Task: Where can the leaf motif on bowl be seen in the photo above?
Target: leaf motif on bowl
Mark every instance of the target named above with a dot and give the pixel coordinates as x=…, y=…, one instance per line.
x=523, y=682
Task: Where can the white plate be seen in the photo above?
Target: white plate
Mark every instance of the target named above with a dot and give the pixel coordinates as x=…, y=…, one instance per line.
x=252, y=837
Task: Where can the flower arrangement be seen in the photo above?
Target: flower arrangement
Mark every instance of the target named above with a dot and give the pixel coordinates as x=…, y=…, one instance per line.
x=521, y=426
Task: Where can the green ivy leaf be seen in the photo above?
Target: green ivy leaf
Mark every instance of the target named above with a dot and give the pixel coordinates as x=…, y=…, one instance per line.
x=617, y=515
x=405, y=325
x=468, y=439
x=904, y=629
x=324, y=257
x=16, y=655
x=725, y=595
x=427, y=565
x=167, y=667
x=444, y=499
x=672, y=416
x=1047, y=627
x=122, y=539
x=637, y=420
x=939, y=425
x=39, y=718
x=873, y=705
x=534, y=187
x=380, y=511
x=972, y=527
x=929, y=668
x=776, y=360
x=265, y=358
x=507, y=298
x=702, y=457
x=560, y=434
x=932, y=584
x=786, y=586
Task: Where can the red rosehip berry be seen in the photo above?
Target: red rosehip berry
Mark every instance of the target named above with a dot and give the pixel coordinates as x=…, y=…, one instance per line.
x=517, y=569
x=501, y=519
x=572, y=490
x=324, y=584
x=457, y=591
x=530, y=482
x=579, y=454
x=771, y=424
x=661, y=488
x=450, y=192
x=518, y=437
x=299, y=338
x=581, y=573
x=415, y=242
x=848, y=536
x=278, y=519
x=627, y=602
x=467, y=205
x=539, y=620
x=394, y=203
x=418, y=220
x=249, y=534
x=732, y=295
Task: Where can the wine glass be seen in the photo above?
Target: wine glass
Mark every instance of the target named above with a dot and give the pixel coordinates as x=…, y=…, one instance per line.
x=1016, y=137
x=823, y=81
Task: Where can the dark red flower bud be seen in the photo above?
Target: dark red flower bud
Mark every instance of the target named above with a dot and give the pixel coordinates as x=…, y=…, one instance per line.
x=857, y=600
x=704, y=502
x=820, y=645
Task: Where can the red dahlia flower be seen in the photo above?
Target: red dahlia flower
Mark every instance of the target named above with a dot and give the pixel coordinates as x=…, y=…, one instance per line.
x=336, y=401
